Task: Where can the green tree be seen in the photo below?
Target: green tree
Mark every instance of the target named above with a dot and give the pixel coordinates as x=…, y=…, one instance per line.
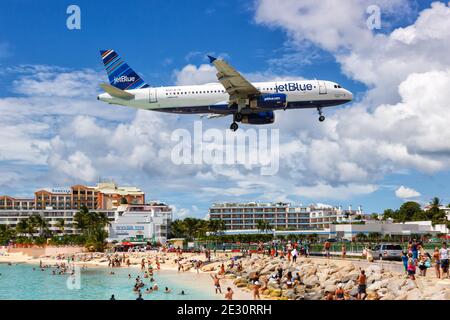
x=263, y=225
x=123, y=200
x=61, y=224
x=6, y=234
x=26, y=226
x=361, y=237
x=435, y=213
x=92, y=226
x=407, y=211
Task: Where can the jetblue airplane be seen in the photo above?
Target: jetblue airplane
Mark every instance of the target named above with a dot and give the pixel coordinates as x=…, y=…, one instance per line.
x=251, y=103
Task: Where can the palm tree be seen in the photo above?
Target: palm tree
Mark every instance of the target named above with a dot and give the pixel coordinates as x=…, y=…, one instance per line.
x=6, y=233
x=25, y=226
x=263, y=225
x=361, y=237
x=40, y=223
x=60, y=224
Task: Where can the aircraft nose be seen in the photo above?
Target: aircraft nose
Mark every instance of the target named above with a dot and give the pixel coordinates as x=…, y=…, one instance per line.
x=349, y=95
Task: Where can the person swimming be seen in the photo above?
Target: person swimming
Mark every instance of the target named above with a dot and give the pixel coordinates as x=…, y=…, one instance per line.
x=167, y=290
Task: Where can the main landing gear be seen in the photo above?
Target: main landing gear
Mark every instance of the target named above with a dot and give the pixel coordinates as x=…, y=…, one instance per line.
x=236, y=118
x=321, y=116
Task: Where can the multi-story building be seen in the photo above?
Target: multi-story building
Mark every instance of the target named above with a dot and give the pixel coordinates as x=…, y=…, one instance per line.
x=141, y=222
x=280, y=215
x=103, y=196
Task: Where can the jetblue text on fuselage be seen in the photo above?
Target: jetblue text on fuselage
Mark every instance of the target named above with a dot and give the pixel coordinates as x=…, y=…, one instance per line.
x=293, y=86
x=124, y=79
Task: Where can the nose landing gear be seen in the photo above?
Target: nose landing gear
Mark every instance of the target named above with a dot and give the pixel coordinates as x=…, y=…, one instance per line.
x=321, y=116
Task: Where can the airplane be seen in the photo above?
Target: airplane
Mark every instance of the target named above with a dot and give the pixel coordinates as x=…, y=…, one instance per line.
x=232, y=95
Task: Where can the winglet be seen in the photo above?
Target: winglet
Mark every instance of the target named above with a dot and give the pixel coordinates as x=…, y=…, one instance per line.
x=211, y=59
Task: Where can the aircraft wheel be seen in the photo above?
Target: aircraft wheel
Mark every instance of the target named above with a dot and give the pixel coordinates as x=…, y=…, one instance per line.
x=321, y=118
x=238, y=117
x=234, y=126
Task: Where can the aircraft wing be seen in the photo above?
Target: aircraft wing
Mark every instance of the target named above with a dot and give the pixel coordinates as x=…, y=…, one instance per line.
x=234, y=83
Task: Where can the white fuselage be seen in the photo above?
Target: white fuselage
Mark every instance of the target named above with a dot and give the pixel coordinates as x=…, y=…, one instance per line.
x=203, y=98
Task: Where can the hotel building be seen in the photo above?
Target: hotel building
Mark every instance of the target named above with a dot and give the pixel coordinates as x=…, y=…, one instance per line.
x=103, y=196
x=54, y=204
x=279, y=215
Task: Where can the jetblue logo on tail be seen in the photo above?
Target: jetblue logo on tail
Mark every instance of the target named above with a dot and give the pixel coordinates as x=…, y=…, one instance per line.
x=123, y=79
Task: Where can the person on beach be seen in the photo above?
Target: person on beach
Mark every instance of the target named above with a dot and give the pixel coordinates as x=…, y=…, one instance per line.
x=405, y=261
x=326, y=247
x=216, y=283
x=444, y=259
x=414, y=251
x=340, y=293
x=229, y=294
x=222, y=269
x=255, y=291
x=411, y=268
x=329, y=295
x=362, y=285
x=143, y=264
x=294, y=255
x=343, y=251
x=140, y=297
x=424, y=264
x=437, y=262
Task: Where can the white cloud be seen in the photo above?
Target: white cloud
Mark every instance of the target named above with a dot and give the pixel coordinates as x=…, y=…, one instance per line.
x=191, y=75
x=406, y=193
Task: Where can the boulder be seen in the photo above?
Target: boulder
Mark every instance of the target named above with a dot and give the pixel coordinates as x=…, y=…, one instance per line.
x=311, y=281
x=350, y=277
x=414, y=294
x=275, y=293
x=354, y=291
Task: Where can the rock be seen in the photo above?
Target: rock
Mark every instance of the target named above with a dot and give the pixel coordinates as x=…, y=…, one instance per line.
x=414, y=294
x=388, y=296
x=372, y=296
x=354, y=291
x=290, y=294
x=275, y=293
x=330, y=288
x=442, y=295
x=409, y=285
x=373, y=278
x=352, y=276
x=311, y=281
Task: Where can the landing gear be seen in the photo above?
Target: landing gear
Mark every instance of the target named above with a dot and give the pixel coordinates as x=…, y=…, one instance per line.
x=238, y=117
x=321, y=116
x=234, y=126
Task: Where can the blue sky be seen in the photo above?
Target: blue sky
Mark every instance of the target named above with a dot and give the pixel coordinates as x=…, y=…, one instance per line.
x=159, y=39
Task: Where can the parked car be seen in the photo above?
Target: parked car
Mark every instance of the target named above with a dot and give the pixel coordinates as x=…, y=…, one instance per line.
x=387, y=251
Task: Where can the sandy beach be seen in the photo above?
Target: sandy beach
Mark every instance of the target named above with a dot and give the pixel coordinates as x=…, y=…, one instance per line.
x=202, y=280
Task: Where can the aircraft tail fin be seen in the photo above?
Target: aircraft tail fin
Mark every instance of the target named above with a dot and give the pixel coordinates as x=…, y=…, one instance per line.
x=120, y=74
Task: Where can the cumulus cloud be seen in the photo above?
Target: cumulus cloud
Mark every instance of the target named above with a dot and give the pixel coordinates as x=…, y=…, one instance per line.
x=406, y=193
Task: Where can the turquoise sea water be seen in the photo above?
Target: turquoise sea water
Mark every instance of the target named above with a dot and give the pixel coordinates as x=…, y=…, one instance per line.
x=20, y=282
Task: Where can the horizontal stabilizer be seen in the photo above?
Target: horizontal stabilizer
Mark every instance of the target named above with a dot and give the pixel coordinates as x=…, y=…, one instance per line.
x=116, y=92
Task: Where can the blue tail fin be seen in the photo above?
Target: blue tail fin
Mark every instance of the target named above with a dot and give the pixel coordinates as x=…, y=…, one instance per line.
x=120, y=73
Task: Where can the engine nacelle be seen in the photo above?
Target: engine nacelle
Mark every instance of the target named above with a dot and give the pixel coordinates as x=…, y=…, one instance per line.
x=269, y=101
x=259, y=118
